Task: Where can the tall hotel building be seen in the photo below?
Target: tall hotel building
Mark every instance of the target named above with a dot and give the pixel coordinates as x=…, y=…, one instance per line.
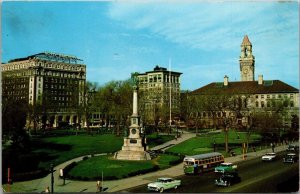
x=53, y=81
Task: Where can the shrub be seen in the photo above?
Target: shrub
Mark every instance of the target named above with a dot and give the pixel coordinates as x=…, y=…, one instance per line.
x=68, y=168
x=85, y=158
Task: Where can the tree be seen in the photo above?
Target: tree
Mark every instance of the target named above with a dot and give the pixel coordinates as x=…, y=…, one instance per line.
x=272, y=118
x=115, y=98
x=14, y=113
x=225, y=111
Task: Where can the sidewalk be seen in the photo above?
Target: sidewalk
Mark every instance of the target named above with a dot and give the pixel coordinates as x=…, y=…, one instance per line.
x=39, y=185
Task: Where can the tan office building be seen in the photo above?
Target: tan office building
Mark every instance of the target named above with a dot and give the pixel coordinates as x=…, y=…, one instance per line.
x=159, y=88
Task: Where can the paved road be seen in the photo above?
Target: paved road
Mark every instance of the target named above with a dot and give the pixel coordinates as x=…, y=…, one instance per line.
x=257, y=176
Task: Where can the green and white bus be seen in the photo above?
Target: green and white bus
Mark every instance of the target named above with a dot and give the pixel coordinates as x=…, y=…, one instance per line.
x=202, y=162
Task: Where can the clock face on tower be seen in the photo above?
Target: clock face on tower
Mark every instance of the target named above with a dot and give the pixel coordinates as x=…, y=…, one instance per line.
x=245, y=71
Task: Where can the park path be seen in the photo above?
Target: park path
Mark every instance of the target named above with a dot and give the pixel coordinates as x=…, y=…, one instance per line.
x=39, y=185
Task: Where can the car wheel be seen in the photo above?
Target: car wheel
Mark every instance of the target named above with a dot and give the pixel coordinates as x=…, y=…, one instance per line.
x=161, y=190
x=175, y=187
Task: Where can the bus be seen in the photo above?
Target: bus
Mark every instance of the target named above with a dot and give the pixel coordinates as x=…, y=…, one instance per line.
x=203, y=162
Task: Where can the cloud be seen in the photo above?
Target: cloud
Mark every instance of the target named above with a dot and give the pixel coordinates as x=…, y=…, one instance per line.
x=199, y=25
x=273, y=29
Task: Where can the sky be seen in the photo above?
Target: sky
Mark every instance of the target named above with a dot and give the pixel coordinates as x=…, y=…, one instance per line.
x=200, y=39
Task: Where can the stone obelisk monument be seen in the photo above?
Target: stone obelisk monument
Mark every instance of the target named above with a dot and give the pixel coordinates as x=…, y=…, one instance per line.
x=134, y=147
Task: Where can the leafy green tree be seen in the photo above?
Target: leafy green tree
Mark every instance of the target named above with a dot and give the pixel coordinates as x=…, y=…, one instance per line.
x=14, y=113
x=115, y=98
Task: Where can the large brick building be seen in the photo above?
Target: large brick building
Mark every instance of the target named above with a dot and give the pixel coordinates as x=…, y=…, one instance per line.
x=258, y=94
x=55, y=82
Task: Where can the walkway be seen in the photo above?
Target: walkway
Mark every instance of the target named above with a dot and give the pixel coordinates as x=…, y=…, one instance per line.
x=39, y=185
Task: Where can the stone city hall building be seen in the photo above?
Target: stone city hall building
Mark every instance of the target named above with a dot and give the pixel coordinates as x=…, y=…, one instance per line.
x=260, y=94
x=54, y=81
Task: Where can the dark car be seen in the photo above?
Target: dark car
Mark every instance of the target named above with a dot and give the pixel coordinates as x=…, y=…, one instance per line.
x=228, y=179
x=293, y=148
x=290, y=158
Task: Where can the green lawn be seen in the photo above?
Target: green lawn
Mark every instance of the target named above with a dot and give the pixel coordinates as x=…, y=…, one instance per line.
x=93, y=167
x=61, y=149
x=154, y=140
x=204, y=143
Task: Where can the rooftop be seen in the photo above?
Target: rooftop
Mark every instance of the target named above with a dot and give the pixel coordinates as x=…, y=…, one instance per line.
x=51, y=57
x=246, y=41
x=246, y=87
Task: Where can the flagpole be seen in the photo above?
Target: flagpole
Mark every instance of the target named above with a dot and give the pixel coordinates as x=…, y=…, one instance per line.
x=170, y=82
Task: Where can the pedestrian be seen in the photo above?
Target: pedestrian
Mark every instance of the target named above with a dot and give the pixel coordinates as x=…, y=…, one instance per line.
x=195, y=168
x=47, y=190
x=273, y=146
x=99, y=186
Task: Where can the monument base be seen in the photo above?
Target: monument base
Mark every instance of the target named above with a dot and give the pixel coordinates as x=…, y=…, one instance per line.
x=132, y=155
x=133, y=149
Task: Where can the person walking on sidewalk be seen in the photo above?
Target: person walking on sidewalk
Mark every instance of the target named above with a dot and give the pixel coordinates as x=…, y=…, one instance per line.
x=273, y=147
x=99, y=186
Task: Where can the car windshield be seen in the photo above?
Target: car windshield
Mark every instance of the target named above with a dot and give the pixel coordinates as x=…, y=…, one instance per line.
x=163, y=180
x=225, y=164
x=270, y=154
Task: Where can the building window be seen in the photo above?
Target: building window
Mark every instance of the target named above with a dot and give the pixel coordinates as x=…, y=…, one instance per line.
x=262, y=96
x=291, y=96
x=279, y=95
x=262, y=104
x=268, y=96
x=274, y=96
x=256, y=96
x=256, y=103
x=292, y=104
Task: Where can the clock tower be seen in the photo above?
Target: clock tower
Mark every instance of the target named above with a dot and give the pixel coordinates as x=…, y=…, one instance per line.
x=247, y=60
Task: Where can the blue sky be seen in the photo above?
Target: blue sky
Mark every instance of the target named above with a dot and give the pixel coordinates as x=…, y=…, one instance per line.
x=115, y=38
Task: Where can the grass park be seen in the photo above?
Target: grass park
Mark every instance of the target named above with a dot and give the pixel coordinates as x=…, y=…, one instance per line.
x=58, y=149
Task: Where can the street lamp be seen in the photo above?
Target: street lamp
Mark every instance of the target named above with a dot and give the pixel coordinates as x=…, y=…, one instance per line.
x=52, y=177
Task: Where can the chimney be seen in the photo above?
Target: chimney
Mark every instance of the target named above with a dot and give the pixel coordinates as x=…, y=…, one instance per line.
x=225, y=80
x=260, y=79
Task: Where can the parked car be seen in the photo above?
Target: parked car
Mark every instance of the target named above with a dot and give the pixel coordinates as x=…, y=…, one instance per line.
x=293, y=148
x=268, y=157
x=228, y=179
x=162, y=184
x=290, y=158
x=226, y=167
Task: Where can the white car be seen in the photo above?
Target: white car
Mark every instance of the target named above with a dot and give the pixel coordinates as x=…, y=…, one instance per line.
x=268, y=157
x=162, y=184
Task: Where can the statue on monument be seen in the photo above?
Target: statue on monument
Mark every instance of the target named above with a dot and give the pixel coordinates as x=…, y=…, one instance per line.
x=134, y=79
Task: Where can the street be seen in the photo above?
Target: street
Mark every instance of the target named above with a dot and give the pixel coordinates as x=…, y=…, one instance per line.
x=257, y=177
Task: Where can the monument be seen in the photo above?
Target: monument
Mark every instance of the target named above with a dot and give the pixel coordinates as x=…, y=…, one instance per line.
x=134, y=147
